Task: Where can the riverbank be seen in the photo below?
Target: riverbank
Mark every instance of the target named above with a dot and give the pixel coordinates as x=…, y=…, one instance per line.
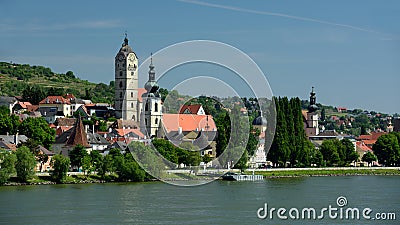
x=267, y=173
x=305, y=172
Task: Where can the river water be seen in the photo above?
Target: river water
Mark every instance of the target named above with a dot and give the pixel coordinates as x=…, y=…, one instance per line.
x=219, y=202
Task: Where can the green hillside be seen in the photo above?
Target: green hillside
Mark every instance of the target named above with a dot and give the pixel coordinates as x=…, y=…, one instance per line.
x=20, y=79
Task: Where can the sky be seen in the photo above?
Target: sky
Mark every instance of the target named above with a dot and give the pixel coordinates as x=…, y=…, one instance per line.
x=349, y=50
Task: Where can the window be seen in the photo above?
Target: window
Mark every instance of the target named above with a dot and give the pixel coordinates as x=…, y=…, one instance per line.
x=120, y=73
x=156, y=121
x=131, y=94
x=132, y=105
x=156, y=107
x=120, y=84
x=120, y=95
x=146, y=108
x=132, y=73
x=145, y=121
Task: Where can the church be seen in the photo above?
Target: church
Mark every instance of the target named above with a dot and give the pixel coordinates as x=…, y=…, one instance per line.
x=143, y=106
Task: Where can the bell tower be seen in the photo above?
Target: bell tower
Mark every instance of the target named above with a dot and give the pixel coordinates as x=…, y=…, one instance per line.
x=126, y=83
x=152, y=112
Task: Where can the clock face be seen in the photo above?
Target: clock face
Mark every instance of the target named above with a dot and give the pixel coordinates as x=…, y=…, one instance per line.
x=120, y=57
x=131, y=57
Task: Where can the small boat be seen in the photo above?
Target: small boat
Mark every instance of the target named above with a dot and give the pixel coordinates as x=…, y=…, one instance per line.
x=241, y=177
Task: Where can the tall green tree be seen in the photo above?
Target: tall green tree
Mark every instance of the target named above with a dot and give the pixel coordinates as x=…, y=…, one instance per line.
x=25, y=164
x=349, y=153
x=76, y=156
x=329, y=150
x=7, y=165
x=8, y=123
x=369, y=158
x=60, y=166
x=387, y=150
x=38, y=129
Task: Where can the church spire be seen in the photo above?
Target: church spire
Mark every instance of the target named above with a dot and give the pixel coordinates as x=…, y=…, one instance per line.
x=125, y=40
x=151, y=85
x=313, y=99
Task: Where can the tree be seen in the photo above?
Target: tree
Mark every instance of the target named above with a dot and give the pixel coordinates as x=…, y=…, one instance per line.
x=387, y=149
x=8, y=123
x=349, y=153
x=38, y=129
x=76, y=156
x=25, y=164
x=70, y=75
x=87, y=165
x=60, y=166
x=7, y=165
x=329, y=150
x=323, y=114
x=242, y=163
x=369, y=158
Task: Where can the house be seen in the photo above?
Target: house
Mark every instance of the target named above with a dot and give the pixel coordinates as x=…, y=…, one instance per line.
x=10, y=142
x=124, y=124
x=56, y=105
x=44, y=166
x=362, y=149
x=99, y=110
x=51, y=114
x=180, y=128
x=21, y=107
x=370, y=139
x=396, y=126
x=192, y=109
x=9, y=102
x=125, y=135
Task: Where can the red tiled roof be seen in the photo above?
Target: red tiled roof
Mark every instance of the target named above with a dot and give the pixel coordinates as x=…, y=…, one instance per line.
x=55, y=100
x=369, y=142
x=123, y=132
x=32, y=108
x=70, y=96
x=361, y=146
x=24, y=105
x=140, y=92
x=188, y=122
x=193, y=109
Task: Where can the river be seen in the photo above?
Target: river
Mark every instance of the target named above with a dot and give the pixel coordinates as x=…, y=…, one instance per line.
x=219, y=202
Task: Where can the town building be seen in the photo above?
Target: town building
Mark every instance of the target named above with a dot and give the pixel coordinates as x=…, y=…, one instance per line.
x=311, y=116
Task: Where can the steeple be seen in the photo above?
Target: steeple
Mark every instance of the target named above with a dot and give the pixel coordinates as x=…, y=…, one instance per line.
x=151, y=85
x=78, y=135
x=125, y=40
x=313, y=99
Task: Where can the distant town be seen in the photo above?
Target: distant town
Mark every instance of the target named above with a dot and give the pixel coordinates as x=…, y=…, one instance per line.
x=92, y=128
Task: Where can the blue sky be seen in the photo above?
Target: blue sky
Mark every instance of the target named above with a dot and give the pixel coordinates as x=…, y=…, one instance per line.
x=348, y=50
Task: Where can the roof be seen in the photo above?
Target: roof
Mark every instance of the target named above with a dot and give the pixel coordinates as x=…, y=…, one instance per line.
x=65, y=122
x=188, y=122
x=140, y=92
x=372, y=136
x=24, y=105
x=10, y=139
x=5, y=100
x=119, y=124
x=32, y=108
x=123, y=132
x=55, y=100
x=45, y=151
x=97, y=139
x=70, y=97
x=362, y=147
x=193, y=109
x=78, y=135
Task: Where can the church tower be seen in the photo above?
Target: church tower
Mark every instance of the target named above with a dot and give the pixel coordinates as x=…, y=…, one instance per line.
x=152, y=110
x=312, y=128
x=126, y=83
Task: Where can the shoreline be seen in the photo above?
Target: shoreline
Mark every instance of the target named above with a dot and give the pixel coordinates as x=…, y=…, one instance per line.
x=268, y=174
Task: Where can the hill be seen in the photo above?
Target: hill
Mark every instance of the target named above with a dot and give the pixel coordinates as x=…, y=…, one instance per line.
x=20, y=79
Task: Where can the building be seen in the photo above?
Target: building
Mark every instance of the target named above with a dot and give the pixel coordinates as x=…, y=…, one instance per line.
x=8, y=102
x=57, y=105
x=311, y=116
x=150, y=118
x=396, y=123
x=192, y=109
x=126, y=83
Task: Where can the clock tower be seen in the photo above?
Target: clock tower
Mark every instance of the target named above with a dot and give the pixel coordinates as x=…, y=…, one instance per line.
x=126, y=83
